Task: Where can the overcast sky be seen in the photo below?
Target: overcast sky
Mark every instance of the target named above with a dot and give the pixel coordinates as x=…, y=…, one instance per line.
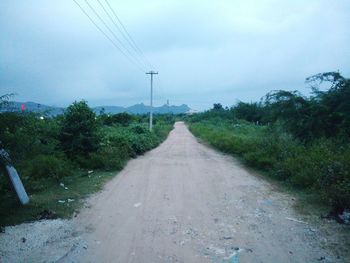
x=205, y=51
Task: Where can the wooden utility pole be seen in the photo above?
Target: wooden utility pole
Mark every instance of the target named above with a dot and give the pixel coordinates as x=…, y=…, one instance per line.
x=151, y=109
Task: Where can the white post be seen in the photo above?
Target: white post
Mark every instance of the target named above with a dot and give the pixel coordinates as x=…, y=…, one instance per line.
x=151, y=109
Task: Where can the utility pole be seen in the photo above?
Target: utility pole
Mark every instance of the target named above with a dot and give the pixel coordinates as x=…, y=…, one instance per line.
x=151, y=110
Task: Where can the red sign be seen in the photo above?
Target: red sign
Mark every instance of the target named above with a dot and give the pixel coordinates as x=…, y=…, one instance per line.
x=22, y=107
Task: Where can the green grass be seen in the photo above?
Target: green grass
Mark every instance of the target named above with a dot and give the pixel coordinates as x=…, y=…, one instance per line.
x=321, y=168
x=79, y=185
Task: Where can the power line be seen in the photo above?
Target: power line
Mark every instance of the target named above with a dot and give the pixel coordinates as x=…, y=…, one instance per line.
x=137, y=56
x=128, y=35
x=113, y=43
x=110, y=30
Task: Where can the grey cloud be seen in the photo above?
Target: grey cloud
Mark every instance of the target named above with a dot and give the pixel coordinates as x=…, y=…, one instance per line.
x=205, y=51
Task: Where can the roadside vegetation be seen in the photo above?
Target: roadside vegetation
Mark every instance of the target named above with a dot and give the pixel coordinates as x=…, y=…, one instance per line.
x=303, y=141
x=63, y=159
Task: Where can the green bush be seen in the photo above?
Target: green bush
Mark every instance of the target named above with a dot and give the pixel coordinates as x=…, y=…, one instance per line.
x=108, y=158
x=79, y=130
x=44, y=166
x=118, y=143
x=141, y=139
x=26, y=135
x=139, y=129
x=123, y=118
x=121, y=141
x=331, y=164
x=162, y=129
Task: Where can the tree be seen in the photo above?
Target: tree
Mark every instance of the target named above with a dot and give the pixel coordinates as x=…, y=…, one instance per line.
x=324, y=114
x=121, y=118
x=217, y=106
x=252, y=112
x=292, y=109
x=333, y=105
x=4, y=100
x=79, y=130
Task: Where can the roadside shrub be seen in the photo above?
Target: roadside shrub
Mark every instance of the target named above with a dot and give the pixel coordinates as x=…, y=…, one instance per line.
x=269, y=148
x=162, y=129
x=5, y=186
x=79, y=130
x=338, y=194
x=133, y=140
x=108, y=158
x=259, y=159
x=139, y=129
x=142, y=143
x=332, y=166
x=44, y=167
x=26, y=135
x=121, y=141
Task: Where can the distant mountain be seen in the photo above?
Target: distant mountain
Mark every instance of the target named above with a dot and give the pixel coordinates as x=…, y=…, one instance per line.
x=109, y=109
x=34, y=107
x=135, y=109
x=143, y=109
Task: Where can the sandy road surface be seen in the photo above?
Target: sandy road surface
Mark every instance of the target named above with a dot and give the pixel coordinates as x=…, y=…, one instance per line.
x=185, y=202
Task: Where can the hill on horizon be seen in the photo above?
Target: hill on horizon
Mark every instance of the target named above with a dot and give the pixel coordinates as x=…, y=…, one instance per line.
x=140, y=108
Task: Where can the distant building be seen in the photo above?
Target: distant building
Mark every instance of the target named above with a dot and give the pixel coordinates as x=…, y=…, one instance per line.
x=191, y=111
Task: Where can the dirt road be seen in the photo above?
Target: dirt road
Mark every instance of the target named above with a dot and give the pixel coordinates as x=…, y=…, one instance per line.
x=185, y=202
